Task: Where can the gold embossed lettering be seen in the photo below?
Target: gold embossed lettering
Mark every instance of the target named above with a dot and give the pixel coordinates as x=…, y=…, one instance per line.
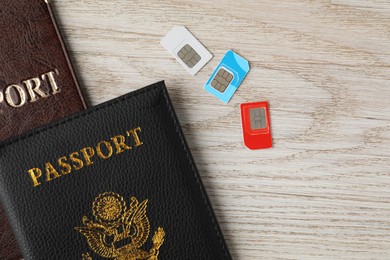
x=18, y=93
x=86, y=156
x=108, y=147
x=35, y=174
x=50, y=170
x=133, y=132
x=62, y=162
x=78, y=163
x=52, y=82
x=120, y=145
x=88, y=153
x=42, y=86
x=34, y=87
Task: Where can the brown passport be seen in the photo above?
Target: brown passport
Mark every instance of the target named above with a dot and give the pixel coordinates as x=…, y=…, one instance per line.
x=37, y=81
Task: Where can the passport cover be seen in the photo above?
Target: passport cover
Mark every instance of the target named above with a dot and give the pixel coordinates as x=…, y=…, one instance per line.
x=116, y=181
x=37, y=81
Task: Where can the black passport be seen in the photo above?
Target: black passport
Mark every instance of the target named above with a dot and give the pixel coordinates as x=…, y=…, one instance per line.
x=113, y=182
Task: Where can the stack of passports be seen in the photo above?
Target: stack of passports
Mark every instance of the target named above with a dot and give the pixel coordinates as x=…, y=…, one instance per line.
x=113, y=182
x=37, y=81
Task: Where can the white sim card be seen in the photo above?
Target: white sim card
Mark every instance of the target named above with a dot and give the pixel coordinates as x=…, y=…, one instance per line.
x=186, y=49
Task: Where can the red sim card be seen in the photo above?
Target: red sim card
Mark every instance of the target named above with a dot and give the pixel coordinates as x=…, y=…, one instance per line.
x=256, y=125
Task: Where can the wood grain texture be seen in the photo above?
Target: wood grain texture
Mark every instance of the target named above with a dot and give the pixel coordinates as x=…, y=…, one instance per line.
x=323, y=191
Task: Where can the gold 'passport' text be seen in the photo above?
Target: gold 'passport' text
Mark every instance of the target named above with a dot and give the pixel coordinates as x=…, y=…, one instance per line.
x=85, y=157
x=30, y=90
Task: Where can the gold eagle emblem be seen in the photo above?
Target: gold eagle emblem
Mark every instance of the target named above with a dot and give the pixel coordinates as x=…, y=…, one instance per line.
x=119, y=232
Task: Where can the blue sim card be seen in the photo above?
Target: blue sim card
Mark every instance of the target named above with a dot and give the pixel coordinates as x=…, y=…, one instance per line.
x=228, y=76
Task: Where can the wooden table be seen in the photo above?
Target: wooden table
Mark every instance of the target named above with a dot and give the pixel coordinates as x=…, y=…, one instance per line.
x=323, y=191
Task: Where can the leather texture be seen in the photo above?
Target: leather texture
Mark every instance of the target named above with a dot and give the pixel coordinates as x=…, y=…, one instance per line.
x=31, y=45
x=160, y=170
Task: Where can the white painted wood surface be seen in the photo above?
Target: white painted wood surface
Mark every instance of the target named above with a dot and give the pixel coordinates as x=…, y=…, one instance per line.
x=323, y=191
